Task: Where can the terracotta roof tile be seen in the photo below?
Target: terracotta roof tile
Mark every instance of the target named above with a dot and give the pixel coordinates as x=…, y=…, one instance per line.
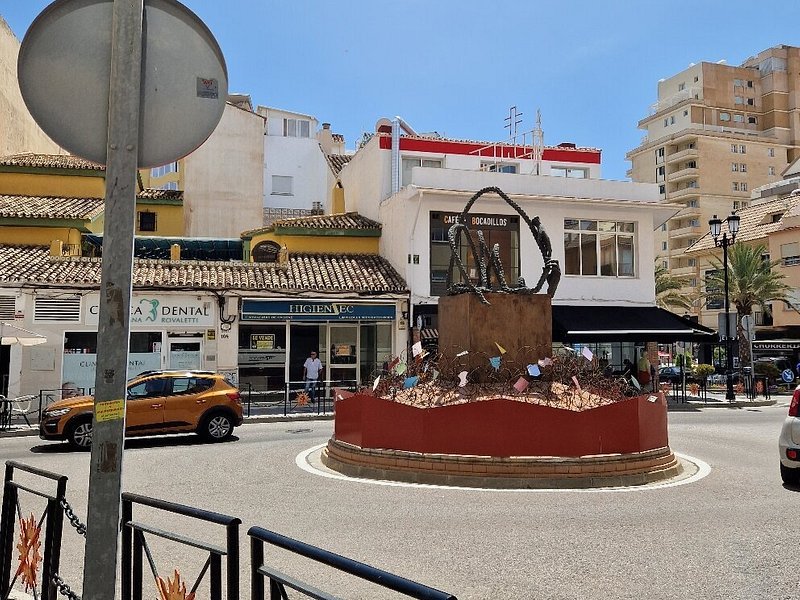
x=344, y=221
x=49, y=161
x=155, y=194
x=337, y=162
x=755, y=223
x=304, y=272
x=48, y=207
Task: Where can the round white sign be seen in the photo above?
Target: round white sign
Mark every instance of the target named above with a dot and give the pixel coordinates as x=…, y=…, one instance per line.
x=64, y=71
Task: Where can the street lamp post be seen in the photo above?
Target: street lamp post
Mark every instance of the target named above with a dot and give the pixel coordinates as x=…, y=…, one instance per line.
x=715, y=224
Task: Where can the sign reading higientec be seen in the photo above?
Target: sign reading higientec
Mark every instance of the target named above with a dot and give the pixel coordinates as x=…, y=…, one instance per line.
x=299, y=310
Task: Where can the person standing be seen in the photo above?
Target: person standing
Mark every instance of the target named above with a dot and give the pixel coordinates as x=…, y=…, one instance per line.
x=311, y=371
x=643, y=369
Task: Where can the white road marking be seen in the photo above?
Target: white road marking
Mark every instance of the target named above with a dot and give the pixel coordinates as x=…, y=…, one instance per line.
x=303, y=460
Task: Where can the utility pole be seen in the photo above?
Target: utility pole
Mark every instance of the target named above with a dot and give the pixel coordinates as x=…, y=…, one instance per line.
x=113, y=335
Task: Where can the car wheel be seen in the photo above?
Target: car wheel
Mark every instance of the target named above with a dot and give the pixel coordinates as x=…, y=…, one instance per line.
x=79, y=434
x=790, y=476
x=217, y=427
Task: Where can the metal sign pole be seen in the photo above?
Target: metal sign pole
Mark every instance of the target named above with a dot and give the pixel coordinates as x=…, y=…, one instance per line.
x=105, y=480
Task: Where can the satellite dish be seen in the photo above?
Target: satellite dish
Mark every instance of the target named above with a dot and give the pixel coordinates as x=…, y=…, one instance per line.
x=64, y=72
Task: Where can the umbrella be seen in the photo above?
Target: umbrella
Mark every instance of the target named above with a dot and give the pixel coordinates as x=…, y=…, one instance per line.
x=11, y=334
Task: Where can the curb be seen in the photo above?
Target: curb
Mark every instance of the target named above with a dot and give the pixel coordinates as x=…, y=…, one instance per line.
x=297, y=418
x=698, y=405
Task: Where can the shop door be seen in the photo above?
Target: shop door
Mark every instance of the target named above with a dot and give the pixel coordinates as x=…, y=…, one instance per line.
x=303, y=339
x=184, y=354
x=344, y=355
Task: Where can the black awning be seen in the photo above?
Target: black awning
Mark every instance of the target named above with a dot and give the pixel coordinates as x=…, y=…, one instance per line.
x=625, y=324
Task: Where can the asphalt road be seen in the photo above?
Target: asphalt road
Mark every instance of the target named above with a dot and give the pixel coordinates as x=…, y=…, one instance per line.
x=732, y=534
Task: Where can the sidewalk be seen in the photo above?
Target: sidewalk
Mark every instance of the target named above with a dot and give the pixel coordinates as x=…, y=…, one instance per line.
x=716, y=399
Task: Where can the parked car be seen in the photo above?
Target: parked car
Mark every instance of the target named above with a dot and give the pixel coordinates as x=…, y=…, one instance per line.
x=158, y=402
x=789, y=442
x=673, y=375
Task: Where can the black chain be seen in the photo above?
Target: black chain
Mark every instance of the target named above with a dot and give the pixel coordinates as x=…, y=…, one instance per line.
x=64, y=589
x=73, y=518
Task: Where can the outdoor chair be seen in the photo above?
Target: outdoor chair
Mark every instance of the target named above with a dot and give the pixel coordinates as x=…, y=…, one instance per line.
x=22, y=407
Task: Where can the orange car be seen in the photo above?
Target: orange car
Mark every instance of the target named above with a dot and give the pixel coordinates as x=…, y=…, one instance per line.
x=158, y=402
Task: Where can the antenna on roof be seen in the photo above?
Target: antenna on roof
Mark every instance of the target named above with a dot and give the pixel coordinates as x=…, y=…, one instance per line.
x=538, y=143
x=512, y=120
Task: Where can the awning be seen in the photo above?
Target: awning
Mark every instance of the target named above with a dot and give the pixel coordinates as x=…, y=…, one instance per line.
x=625, y=324
x=11, y=334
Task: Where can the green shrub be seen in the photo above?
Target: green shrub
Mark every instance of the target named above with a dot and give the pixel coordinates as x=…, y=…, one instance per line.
x=703, y=371
x=767, y=369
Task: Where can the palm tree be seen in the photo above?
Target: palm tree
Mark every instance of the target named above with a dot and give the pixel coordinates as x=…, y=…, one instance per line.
x=668, y=289
x=751, y=282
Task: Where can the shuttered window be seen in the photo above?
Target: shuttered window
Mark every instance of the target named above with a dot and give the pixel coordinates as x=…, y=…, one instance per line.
x=7, y=308
x=62, y=309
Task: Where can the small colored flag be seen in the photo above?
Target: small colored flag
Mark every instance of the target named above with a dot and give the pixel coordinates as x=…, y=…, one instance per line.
x=401, y=368
x=636, y=383
x=435, y=375
x=587, y=353
x=652, y=399
x=463, y=379
x=416, y=349
x=499, y=347
x=395, y=361
x=462, y=353
x=521, y=385
x=577, y=385
x=410, y=382
x=495, y=362
x=533, y=370
x=375, y=384
x=545, y=362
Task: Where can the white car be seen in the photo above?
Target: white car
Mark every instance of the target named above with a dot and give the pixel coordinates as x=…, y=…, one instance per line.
x=789, y=442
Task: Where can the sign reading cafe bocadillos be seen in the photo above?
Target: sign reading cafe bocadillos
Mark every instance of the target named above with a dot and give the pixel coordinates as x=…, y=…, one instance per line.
x=156, y=310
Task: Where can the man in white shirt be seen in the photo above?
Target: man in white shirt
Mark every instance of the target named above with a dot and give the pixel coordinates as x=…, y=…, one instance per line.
x=311, y=371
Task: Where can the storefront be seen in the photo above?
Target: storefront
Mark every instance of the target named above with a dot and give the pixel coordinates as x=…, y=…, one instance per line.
x=167, y=332
x=352, y=339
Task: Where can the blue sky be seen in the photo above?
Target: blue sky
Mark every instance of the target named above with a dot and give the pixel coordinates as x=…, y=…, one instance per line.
x=456, y=66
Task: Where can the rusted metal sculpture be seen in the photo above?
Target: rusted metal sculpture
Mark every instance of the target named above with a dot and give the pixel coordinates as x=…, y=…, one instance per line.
x=491, y=277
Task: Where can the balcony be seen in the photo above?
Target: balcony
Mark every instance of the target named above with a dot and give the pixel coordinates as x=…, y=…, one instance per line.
x=684, y=193
x=688, y=231
x=677, y=252
x=689, y=211
x=683, y=175
x=683, y=271
x=686, y=154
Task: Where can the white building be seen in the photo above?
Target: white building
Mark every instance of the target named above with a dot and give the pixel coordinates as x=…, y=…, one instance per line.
x=601, y=231
x=296, y=173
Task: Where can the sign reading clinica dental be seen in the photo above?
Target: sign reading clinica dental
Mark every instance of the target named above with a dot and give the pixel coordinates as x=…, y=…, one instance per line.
x=299, y=310
x=161, y=311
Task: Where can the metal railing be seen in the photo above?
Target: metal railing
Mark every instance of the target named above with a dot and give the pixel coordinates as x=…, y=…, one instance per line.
x=289, y=398
x=135, y=545
x=260, y=572
x=29, y=535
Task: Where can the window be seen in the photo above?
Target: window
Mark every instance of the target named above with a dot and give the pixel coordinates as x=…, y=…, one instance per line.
x=493, y=167
x=735, y=148
x=662, y=189
x=743, y=149
x=723, y=116
x=738, y=100
x=497, y=229
x=771, y=152
x=749, y=83
x=692, y=262
x=694, y=223
x=692, y=164
x=603, y=248
x=672, y=120
x=752, y=120
x=663, y=264
x=734, y=167
x=164, y=170
x=664, y=244
x=266, y=252
x=737, y=83
x=666, y=122
x=743, y=167
x=743, y=186
x=296, y=128
x=685, y=113
x=660, y=173
x=735, y=186
x=57, y=309
x=736, y=205
x=751, y=102
x=146, y=221
x=575, y=173
x=7, y=308
x=692, y=204
x=282, y=185
x=681, y=86
x=663, y=227
x=693, y=282
x=790, y=254
x=738, y=118
x=410, y=163
x=659, y=155
x=692, y=184
x=770, y=170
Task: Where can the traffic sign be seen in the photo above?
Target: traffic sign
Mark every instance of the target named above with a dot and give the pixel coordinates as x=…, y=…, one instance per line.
x=787, y=375
x=64, y=71
x=749, y=327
